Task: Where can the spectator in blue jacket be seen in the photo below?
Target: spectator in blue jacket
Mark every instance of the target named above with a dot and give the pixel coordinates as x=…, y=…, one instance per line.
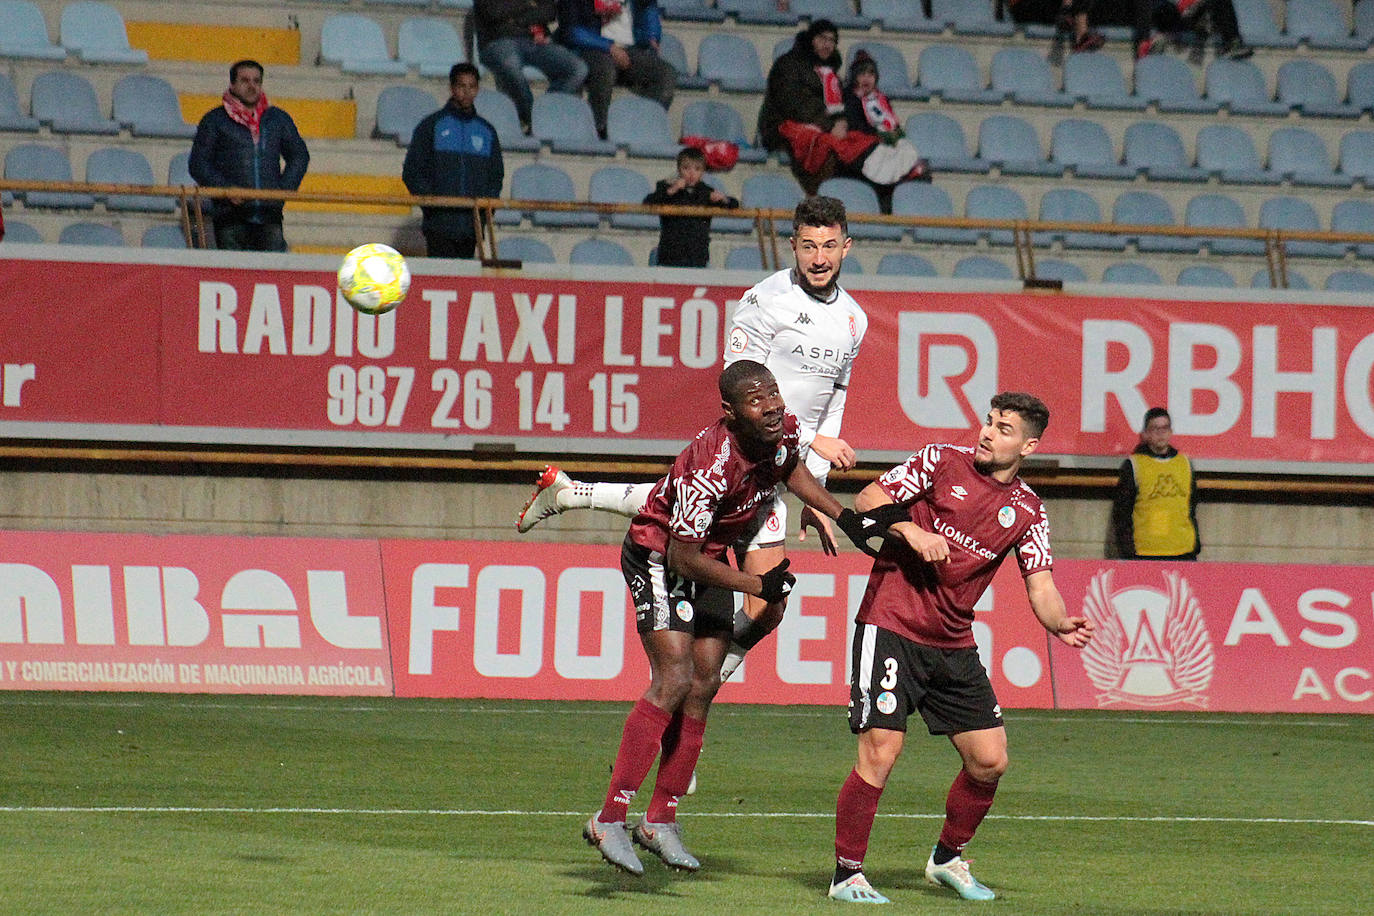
x=454, y=153
x=619, y=41
x=248, y=143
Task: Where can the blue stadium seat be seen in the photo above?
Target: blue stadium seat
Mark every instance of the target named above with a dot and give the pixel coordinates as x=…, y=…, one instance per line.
x=1298, y=214
x=744, y=257
x=1300, y=156
x=840, y=12
x=950, y=72
x=430, y=46
x=1070, y=205
x=1257, y=25
x=982, y=267
x=95, y=33
x=1025, y=76
x=729, y=224
x=1262, y=280
x=1063, y=271
x=901, y=16
x=23, y=33
x=21, y=233
x=1359, y=83
x=893, y=78
x=940, y=139
x=149, y=107
x=1357, y=155
x=113, y=165
x=164, y=235
x=1223, y=212
x=860, y=198
x=1309, y=87
x=1349, y=281
x=1095, y=78
x=915, y=199
x=672, y=51
x=615, y=184
x=756, y=12
x=690, y=11
x=1355, y=216
x=905, y=264
x=1145, y=208
x=35, y=162
x=993, y=201
x=1364, y=22
x=1131, y=272
x=601, y=252
x=1227, y=151
x=540, y=181
x=565, y=122
x=1238, y=85
x=519, y=248
x=731, y=62
x=1322, y=25
x=1157, y=150
x=497, y=108
x=355, y=44
x=12, y=117
x=90, y=234
x=1082, y=145
x=1011, y=144
x=400, y=109
x=970, y=17
x=1205, y=275
x=771, y=192
x=641, y=126
x=1168, y=83
x=66, y=102
x=720, y=121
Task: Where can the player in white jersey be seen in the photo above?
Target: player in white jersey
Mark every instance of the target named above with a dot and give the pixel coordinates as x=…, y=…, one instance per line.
x=807, y=331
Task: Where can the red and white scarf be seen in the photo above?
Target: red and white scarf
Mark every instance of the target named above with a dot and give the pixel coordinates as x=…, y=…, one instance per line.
x=250, y=118
x=830, y=86
x=879, y=112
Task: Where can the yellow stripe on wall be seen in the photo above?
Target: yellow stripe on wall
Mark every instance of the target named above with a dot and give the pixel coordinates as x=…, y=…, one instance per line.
x=332, y=119
x=216, y=44
x=352, y=184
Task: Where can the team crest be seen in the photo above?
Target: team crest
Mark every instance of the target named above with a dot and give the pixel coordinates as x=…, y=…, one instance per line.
x=1006, y=516
x=781, y=457
x=1151, y=646
x=887, y=703
x=684, y=611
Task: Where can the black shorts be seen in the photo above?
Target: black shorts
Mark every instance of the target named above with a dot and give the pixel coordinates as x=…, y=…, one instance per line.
x=893, y=677
x=666, y=601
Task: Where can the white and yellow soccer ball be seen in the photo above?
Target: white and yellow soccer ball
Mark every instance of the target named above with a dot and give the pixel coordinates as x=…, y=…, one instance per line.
x=374, y=278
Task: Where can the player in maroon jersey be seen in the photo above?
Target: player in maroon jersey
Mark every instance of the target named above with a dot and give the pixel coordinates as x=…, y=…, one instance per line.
x=674, y=561
x=913, y=645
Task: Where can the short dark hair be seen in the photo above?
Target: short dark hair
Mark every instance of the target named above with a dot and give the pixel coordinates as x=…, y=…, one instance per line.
x=735, y=377
x=820, y=211
x=237, y=65
x=1154, y=413
x=1034, y=414
x=691, y=154
x=459, y=69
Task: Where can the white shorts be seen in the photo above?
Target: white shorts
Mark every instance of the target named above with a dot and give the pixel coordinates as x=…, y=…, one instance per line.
x=772, y=530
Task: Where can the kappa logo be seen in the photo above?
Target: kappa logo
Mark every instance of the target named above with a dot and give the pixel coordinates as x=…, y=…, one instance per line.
x=946, y=368
x=804, y=318
x=1151, y=648
x=958, y=492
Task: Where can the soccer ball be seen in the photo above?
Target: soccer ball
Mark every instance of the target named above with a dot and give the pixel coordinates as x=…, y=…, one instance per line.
x=374, y=279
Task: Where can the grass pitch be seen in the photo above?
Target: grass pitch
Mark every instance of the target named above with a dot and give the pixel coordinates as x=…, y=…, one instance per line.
x=196, y=804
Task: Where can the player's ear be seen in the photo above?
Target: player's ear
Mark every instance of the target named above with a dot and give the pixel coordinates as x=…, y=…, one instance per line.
x=1029, y=446
x=727, y=409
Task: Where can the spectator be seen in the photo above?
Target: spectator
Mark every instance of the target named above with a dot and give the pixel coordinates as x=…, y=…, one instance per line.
x=1154, y=19
x=248, y=143
x=1071, y=17
x=454, y=153
x=803, y=109
x=512, y=34
x=1154, y=511
x=619, y=43
x=866, y=110
x=685, y=241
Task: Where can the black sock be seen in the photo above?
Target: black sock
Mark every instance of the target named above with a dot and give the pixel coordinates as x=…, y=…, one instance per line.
x=843, y=873
x=943, y=854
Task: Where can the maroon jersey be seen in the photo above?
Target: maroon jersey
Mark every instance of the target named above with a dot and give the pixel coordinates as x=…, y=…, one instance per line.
x=714, y=491
x=983, y=520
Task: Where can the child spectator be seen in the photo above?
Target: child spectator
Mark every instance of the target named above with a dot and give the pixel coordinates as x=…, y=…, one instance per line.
x=685, y=241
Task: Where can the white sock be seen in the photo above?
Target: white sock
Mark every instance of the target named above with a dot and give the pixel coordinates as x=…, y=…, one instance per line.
x=733, y=659
x=622, y=498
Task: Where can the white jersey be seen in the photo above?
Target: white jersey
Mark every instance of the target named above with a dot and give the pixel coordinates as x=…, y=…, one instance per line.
x=809, y=346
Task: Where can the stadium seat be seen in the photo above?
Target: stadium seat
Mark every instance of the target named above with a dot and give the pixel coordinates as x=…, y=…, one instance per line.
x=519, y=248
x=720, y=121
x=1095, y=79
x=1297, y=214
x=729, y=224
x=1132, y=272
x=1359, y=86
x=1322, y=25
x=355, y=44
x=90, y=234
x=730, y=62
x=1364, y=22
x=455, y=4
x=66, y=102
x=1257, y=25
x=756, y=12
x=916, y=199
x=940, y=139
x=1145, y=208
x=970, y=17
x=1357, y=155
x=840, y=12
x=95, y=33
x=430, y=46
x=641, y=126
x=1011, y=144
x=1355, y=216
x=1070, y=205
x=1223, y=212
x=860, y=198
x=901, y=16
x=35, y=162
x=1262, y=280
x=601, y=251
x=690, y=11
x=1309, y=87
x=1205, y=275
x=1300, y=156
x=21, y=233
x=1082, y=145
x=1157, y=150
x=497, y=108
x=905, y=264
x=12, y=117
x=113, y=165
x=982, y=267
x=1227, y=152
x=950, y=72
x=163, y=235
x=1168, y=83
x=24, y=33
x=1238, y=85
x=149, y=107
x=400, y=109
x=771, y=192
x=615, y=184
x=1063, y=271
x=540, y=181
x=1349, y=281
x=893, y=78
x=744, y=257
x=1024, y=75
x=992, y=201
x=565, y=123
x=671, y=50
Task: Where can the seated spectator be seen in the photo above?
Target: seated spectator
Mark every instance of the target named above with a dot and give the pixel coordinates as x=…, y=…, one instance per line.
x=1191, y=22
x=685, y=241
x=803, y=109
x=512, y=34
x=867, y=111
x=1071, y=17
x=618, y=40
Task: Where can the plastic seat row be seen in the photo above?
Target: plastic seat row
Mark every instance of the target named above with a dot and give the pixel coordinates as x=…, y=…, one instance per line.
x=110, y=165
x=92, y=32
x=355, y=43
x=161, y=235
x=66, y=102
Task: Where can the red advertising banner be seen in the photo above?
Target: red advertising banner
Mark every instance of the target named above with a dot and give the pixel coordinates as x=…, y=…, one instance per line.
x=1219, y=636
x=191, y=614
x=186, y=352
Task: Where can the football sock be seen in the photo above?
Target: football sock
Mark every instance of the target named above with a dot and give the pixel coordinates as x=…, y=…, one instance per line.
x=622, y=498
x=639, y=743
x=855, y=810
x=734, y=657
x=748, y=633
x=942, y=854
x=681, y=748
x=965, y=807
x=843, y=873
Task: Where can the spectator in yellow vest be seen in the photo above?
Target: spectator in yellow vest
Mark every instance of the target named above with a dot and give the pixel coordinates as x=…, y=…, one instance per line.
x=1154, y=510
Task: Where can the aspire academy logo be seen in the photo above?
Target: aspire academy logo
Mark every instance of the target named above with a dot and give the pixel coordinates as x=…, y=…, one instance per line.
x=1151, y=647
x=946, y=368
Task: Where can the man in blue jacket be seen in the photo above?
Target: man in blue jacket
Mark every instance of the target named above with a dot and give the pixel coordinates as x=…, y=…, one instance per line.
x=619, y=41
x=454, y=153
x=248, y=143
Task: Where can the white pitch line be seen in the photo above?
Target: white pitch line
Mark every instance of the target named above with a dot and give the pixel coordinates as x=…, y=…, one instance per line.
x=800, y=815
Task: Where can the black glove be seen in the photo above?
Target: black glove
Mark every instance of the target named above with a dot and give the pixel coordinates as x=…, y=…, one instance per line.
x=777, y=582
x=862, y=527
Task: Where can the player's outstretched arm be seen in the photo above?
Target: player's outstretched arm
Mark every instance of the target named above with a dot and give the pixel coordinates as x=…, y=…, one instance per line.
x=1049, y=609
x=927, y=545
x=835, y=450
x=687, y=560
